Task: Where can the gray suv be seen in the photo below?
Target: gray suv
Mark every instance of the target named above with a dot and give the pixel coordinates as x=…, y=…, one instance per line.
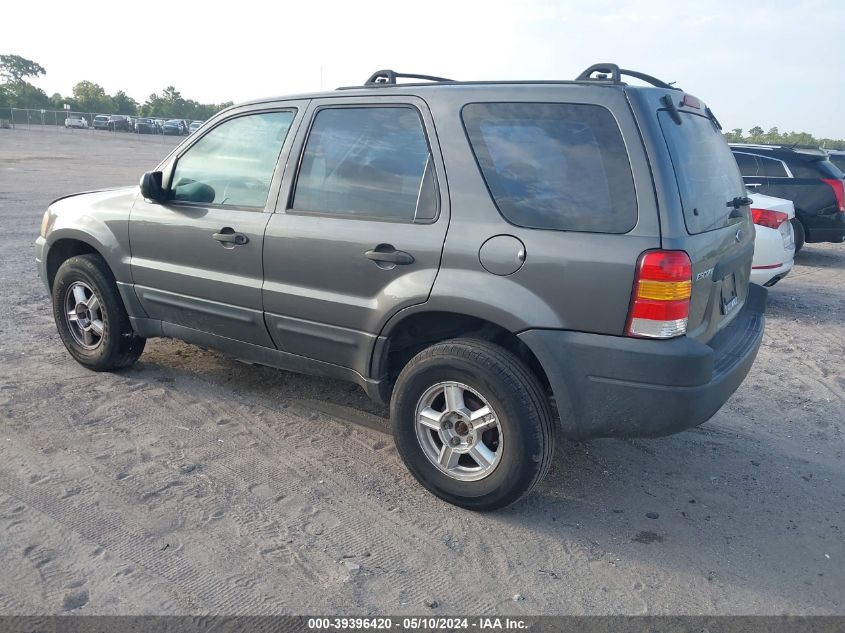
x=501, y=262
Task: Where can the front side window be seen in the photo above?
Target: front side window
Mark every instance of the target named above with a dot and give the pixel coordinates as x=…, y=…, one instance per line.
x=233, y=163
x=559, y=166
x=367, y=161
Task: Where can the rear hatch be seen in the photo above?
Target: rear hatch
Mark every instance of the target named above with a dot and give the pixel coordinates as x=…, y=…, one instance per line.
x=719, y=232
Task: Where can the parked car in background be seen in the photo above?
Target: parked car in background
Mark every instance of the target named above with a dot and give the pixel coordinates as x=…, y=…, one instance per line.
x=837, y=157
x=160, y=125
x=175, y=127
x=101, y=122
x=774, y=242
x=195, y=125
x=520, y=260
x=803, y=175
x=118, y=123
x=76, y=122
x=146, y=126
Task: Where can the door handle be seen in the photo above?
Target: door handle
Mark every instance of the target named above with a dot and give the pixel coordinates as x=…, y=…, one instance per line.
x=227, y=235
x=753, y=184
x=387, y=254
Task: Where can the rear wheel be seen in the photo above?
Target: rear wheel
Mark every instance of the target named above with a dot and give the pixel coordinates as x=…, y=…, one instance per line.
x=800, y=235
x=472, y=423
x=90, y=316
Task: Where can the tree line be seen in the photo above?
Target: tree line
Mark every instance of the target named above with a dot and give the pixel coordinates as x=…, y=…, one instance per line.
x=776, y=137
x=87, y=96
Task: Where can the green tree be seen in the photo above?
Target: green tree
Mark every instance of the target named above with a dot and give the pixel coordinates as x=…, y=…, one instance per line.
x=755, y=131
x=21, y=94
x=14, y=68
x=123, y=103
x=91, y=97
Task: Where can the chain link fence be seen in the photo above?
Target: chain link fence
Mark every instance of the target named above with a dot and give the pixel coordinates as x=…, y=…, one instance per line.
x=73, y=121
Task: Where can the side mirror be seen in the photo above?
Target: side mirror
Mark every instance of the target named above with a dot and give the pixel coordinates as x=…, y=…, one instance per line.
x=151, y=187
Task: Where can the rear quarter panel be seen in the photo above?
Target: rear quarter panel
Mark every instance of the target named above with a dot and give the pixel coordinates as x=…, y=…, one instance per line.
x=569, y=280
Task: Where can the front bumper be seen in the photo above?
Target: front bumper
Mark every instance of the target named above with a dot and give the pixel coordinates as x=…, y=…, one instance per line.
x=41, y=260
x=613, y=386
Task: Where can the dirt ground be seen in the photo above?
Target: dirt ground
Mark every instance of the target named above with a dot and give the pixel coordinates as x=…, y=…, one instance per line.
x=192, y=483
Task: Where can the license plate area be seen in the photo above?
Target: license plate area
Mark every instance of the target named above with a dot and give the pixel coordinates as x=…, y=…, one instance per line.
x=729, y=297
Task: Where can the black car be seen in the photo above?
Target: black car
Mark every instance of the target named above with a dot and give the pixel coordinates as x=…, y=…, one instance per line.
x=146, y=126
x=805, y=175
x=175, y=127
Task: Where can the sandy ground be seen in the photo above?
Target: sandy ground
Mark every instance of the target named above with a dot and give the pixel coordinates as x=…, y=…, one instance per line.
x=192, y=483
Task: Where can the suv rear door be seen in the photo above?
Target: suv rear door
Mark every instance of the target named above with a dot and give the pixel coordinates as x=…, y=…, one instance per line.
x=359, y=227
x=718, y=237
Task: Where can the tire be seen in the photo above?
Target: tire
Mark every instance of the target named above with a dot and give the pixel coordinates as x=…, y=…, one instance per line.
x=800, y=234
x=99, y=335
x=521, y=443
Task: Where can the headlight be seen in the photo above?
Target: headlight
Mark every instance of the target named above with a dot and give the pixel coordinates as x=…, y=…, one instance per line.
x=44, y=222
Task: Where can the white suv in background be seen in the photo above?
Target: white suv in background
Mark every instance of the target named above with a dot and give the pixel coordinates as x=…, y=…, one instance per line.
x=76, y=121
x=774, y=245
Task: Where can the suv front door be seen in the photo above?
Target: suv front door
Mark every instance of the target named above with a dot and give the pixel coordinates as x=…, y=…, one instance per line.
x=358, y=229
x=196, y=259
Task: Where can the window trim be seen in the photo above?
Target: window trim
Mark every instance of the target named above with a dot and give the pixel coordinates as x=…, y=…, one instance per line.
x=777, y=160
x=230, y=207
x=288, y=207
x=533, y=102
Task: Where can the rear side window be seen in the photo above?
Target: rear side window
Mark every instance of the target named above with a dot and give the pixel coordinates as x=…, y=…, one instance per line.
x=747, y=164
x=554, y=166
x=705, y=169
x=771, y=168
x=370, y=161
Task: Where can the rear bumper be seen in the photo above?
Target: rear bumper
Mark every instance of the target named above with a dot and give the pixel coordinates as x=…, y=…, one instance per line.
x=770, y=276
x=611, y=386
x=827, y=229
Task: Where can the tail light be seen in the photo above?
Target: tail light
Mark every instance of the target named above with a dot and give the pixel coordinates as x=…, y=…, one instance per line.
x=660, y=301
x=768, y=218
x=838, y=187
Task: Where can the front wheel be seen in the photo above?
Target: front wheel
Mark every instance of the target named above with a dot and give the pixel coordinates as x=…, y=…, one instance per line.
x=90, y=316
x=472, y=424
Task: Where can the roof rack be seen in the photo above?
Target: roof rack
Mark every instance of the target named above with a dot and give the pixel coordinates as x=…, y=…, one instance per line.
x=389, y=77
x=612, y=73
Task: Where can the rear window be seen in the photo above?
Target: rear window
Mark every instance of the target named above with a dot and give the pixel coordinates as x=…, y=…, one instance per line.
x=558, y=166
x=838, y=160
x=814, y=169
x=706, y=171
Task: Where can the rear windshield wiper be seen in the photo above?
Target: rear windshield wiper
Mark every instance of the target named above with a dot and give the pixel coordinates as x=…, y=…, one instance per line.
x=739, y=201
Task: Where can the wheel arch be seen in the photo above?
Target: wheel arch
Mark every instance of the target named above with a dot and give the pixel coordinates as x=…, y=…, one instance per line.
x=410, y=332
x=63, y=249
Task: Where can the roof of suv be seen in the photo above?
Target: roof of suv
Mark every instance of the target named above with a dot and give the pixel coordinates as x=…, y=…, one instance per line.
x=604, y=74
x=812, y=151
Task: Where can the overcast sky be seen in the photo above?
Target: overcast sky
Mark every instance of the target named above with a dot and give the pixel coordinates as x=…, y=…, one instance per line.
x=773, y=63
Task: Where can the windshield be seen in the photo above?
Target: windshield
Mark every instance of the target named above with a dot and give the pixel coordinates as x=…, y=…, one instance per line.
x=705, y=169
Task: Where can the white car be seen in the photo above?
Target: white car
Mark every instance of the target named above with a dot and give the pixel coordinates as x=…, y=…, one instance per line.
x=76, y=122
x=774, y=246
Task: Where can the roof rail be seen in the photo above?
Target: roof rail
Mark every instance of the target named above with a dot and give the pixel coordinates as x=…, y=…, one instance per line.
x=615, y=75
x=390, y=76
